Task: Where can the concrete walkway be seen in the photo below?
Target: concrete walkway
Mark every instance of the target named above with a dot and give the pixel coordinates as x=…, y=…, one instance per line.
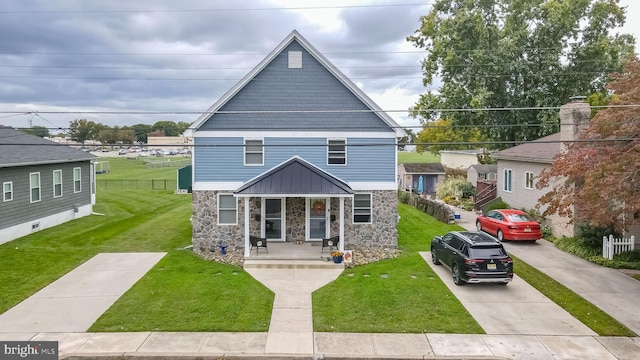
x=76, y=300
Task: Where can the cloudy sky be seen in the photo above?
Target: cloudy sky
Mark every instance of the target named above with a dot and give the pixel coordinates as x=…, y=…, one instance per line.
x=126, y=62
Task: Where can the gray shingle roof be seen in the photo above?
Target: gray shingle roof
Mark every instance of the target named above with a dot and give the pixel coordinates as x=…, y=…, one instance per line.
x=485, y=168
x=295, y=177
x=424, y=168
x=18, y=148
x=542, y=150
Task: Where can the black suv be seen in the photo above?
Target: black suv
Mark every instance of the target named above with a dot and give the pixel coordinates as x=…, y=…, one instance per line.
x=473, y=257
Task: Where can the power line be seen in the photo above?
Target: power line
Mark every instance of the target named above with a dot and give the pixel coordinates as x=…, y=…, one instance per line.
x=345, y=111
x=209, y=10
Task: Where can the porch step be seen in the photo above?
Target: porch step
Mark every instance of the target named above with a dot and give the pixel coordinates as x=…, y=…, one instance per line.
x=290, y=264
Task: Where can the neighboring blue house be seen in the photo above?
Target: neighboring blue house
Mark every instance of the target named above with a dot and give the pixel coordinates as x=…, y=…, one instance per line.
x=295, y=151
x=44, y=184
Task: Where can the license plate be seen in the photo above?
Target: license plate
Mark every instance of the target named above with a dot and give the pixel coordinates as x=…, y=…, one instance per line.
x=527, y=229
x=491, y=266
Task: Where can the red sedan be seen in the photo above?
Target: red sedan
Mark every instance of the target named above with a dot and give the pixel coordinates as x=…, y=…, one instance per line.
x=509, y=224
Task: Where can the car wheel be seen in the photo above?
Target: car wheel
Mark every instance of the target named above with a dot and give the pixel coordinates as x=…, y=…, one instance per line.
x=455, y=270
x=434, y=257
x=478, y=226
x=500, y=235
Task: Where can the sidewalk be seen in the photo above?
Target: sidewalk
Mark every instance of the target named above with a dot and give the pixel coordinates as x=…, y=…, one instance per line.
x=148, y=345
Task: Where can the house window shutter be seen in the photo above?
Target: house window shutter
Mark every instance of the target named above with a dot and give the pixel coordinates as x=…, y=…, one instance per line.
x=295, y=59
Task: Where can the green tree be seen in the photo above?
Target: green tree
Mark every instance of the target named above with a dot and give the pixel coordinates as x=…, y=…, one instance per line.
x=182, y=127
x=140, y=132
x=601, y=175
x=81, y=130
x=440, y=135
x=516, y=54
x=36, y=130
x=169, y=128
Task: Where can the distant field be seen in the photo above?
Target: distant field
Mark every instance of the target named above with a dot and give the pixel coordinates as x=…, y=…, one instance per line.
x=414, y=157
x=135, y=169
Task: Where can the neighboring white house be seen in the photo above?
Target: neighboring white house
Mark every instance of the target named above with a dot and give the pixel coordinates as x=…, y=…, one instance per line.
x=459, y=159
x=520, y=166
x=482, y=172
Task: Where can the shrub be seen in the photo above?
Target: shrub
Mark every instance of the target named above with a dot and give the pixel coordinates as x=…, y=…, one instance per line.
x=591, y=236
x=404, y=197
x=455, y=187
x=496, y=204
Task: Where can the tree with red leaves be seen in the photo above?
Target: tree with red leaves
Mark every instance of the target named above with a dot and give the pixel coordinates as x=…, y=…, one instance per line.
x=600, y=175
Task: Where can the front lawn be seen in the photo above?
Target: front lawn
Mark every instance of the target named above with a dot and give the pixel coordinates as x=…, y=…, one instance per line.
x=402, y=295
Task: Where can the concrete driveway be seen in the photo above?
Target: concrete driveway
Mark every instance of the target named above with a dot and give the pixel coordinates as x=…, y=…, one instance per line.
x=76, y=300
x=515, y=309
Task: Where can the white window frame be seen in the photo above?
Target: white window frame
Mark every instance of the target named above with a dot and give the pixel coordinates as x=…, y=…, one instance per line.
x=329, y=152
x=247, y=152
x=507, y=181
x=77, y=179
x=33, y=186
x=55, y=183
x=234, y=209
x=6, y=198
x=370, y=208
x=528, y=180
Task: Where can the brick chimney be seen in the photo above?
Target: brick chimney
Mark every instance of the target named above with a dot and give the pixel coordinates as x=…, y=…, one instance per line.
x=574, y=118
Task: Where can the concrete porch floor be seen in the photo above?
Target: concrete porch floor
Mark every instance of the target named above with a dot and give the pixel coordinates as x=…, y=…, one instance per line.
x=291, y=251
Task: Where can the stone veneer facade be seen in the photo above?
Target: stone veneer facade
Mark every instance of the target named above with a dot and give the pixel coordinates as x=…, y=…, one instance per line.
x=381, y=233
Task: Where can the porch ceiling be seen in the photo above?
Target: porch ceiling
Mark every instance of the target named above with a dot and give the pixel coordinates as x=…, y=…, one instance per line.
x=295, y=177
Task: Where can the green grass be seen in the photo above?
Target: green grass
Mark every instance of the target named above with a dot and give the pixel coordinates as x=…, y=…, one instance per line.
x=402, y=295
x=183, y=292
x=414, y=157
x=135, y=169
x=179, y=287
x=589, y=314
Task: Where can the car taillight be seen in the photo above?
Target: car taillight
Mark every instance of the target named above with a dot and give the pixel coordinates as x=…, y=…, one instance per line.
x=473, y=261
x=506, y=260
x=512, y=227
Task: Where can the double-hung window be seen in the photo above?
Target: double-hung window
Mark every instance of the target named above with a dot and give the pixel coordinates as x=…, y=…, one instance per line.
x=507, y=180
x=337, y=152
x=254, y=152
x=57, y=183
x=362, y=208
x=77, y=180
x=227, y=209
x=528, y=180
x=7, y=191
x=34, y=185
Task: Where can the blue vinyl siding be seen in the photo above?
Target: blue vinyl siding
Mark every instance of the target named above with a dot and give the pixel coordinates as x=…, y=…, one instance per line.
x=279, y=88
x=368, y=159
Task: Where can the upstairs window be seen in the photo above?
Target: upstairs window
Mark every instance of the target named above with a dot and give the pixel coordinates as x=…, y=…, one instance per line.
x=254, y=152
x=362, y=208
x=337, y=152
x=57, y=183
x=77, y=180
x=7, y=191
x=34, y=185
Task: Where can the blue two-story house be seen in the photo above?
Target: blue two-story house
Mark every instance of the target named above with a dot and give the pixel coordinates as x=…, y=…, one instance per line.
x=295, y=151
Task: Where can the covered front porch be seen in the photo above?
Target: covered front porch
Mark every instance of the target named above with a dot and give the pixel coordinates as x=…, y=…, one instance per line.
x=296, y=205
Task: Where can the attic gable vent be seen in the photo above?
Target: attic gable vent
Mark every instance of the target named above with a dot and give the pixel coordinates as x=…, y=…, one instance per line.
x=295, y=59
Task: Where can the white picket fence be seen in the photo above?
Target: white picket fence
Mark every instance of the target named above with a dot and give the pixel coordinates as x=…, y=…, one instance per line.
x=612, y=246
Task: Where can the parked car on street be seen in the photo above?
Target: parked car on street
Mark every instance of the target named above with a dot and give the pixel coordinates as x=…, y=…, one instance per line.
x=472, y=257
x=509, y=224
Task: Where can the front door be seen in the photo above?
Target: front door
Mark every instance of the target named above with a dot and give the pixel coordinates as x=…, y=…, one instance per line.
x=273, y=216
x=317, y=211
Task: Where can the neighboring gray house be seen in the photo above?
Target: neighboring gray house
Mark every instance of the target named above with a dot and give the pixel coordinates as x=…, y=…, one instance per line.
x=44, y=184
x=295, y=151
x=482, y=172
x=409, y=175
